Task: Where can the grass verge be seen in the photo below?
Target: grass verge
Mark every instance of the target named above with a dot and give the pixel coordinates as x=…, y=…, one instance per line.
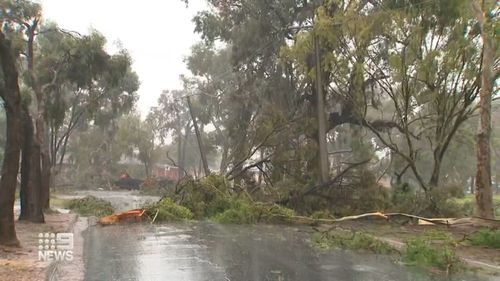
x=352, y=240
x=486, y=238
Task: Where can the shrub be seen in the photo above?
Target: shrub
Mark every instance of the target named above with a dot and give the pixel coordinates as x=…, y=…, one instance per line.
x=242, y=211
x=486, y=238
x=168, y=211
x=206, y=197
x=324, y=214
x=421, y=252
x=91, y=206
x=272, y=213
x=358, y=241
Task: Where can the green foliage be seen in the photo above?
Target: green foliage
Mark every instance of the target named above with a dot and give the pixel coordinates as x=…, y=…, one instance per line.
x=91, y=206
x=323, y=214
x=434, y=248
x=137, y=139
x=467, y=204
x=489, y=238
x=211, y=197
x=423, y=252
x=358, y=241
x=168, y=211
x=272, y=213
x=242, y=211
x=206, y=197
x=447, y=201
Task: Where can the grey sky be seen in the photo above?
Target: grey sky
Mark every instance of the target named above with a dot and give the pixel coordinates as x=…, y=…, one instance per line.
x=158, y=34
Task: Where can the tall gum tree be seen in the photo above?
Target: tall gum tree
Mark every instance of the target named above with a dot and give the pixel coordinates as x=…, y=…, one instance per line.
x=11, y=96
x=24, y=18
x=489, y=74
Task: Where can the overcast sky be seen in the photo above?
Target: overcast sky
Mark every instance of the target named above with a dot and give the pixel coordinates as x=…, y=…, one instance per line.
x=158, y=34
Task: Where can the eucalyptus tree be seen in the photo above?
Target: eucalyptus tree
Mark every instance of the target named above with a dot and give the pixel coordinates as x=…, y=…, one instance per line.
x=254, y=97
x=487, y=17
x=404, y=70
x=69, y=79
x=23, y=19
x=96, y=87
x=171, y=119
x=11, y=98
x=139, y=140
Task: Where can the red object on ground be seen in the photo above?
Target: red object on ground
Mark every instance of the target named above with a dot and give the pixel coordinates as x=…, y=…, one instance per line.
x=128, y=216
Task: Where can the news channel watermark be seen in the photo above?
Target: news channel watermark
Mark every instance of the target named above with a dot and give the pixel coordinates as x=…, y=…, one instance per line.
x=55, y=246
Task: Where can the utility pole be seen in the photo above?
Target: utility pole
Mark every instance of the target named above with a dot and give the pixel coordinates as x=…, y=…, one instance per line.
x=198, y=137
x=323, y=152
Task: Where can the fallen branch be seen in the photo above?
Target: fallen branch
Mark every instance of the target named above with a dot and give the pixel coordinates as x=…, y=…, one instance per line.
x=308, y=220
x=157, y=211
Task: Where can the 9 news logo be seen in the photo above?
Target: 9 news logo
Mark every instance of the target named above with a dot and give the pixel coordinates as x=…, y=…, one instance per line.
x=55, y=246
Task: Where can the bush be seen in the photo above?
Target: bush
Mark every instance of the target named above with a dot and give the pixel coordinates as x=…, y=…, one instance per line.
x=486, y=238
x=324, y=214
x=358, y=241
x=206, y=197
x=421, y=252
x=168, y=211
x=407, y=199
x=91, y=206
x=242, y=211
x=467, y=205
x=272, y=213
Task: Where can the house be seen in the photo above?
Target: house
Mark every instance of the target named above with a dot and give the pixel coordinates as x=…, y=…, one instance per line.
x=166, y=171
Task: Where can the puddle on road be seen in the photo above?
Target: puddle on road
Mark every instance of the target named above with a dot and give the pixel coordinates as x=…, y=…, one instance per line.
x=208, y=251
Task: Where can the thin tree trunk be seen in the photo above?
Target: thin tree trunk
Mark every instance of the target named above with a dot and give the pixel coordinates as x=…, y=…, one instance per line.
x=436, y=170
x=46, y=172
x=198, y=138
x=484, y=192
x=180, y=169
x=12, y=103
x=320, y=107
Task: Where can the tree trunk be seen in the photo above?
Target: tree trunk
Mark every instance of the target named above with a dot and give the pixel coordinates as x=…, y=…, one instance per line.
x=12, y=102
x=31, y=204
x=180, y=168
x=472, y=184
x=436, y=171
x=484, y=192
x=320, y=107
x=42, y=166
x=198, y=138
x=46, y=175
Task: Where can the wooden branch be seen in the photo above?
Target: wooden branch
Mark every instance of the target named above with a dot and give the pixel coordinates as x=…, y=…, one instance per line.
x=308, y=220
x=335, y=179
x=256, y=164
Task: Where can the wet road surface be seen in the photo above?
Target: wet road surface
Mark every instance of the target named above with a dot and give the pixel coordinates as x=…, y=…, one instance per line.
x=207, y=251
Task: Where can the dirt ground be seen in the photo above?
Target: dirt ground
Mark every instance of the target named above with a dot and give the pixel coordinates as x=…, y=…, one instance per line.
x=22, y=264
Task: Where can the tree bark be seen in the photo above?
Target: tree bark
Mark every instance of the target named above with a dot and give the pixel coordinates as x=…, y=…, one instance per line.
x=12, y=102
x=198, y=137
x=42, y=150
x=320, y=107
x=484, y=192
x=31, y=205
